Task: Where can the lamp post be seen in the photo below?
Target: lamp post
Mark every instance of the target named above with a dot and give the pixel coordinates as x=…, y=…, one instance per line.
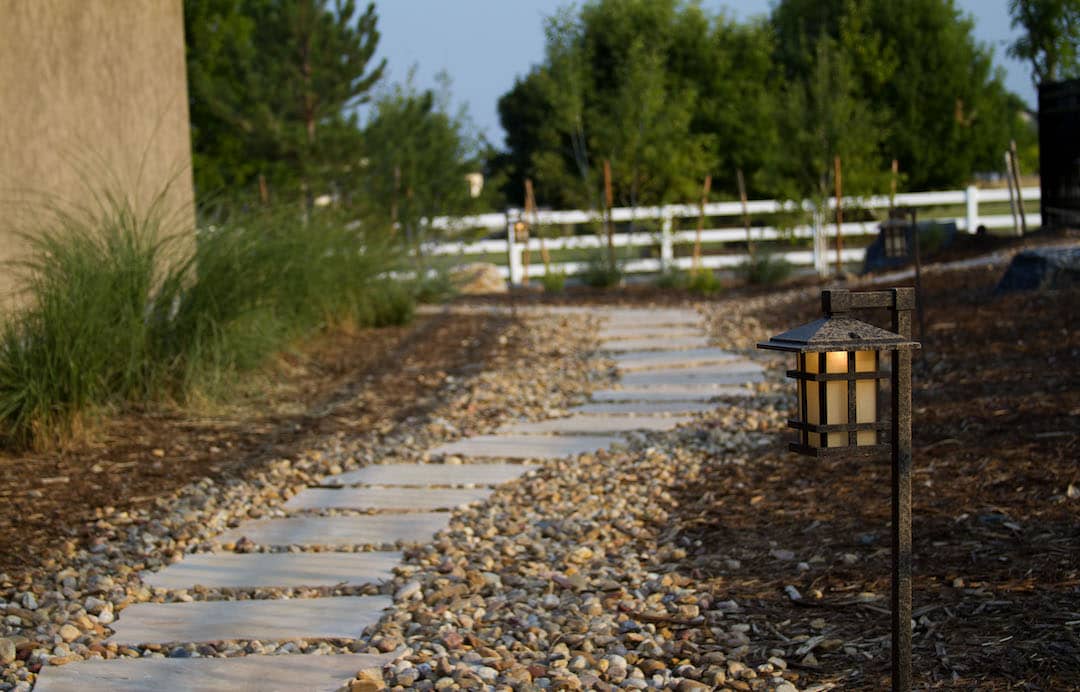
x=838, y=368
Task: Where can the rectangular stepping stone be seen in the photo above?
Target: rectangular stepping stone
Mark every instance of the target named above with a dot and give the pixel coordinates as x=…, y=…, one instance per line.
x=648, y=332
x=642, y=408
x=670, y=393
x=375, y=529
x=285, y=673
x=655, y=344
x=340, y=617
x=430, y=474
x=735, y=372
x=629, y=317
x=526, y=446
x=647, y=360
x=254, y=570
x=574, y=425
x=386, y=498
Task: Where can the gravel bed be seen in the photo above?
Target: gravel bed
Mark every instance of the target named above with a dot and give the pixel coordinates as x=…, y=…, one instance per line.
x=542, y=366
x=573, y=578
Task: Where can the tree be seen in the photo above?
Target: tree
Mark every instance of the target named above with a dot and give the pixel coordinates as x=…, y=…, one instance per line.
x=416, y=155
x=266, y=77
x=643, y=128
x=1051, y=37
x=826, y=117
x=943, y=104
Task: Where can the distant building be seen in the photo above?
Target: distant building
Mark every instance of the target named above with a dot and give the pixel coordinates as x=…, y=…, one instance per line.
x=1059, y=153
x=93, y=96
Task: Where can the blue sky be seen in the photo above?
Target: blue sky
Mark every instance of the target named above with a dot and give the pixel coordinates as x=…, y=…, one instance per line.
x=484, y=44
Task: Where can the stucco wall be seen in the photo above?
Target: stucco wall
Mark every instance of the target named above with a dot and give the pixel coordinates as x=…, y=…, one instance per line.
x=93, y=95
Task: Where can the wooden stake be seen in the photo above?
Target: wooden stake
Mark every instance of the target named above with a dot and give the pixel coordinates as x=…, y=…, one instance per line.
x=394, y=200
x=745, y=212
x=609, y=199
x=701, y=222
x=839, y=220
x=530, y=203
x=1016, y=180
x=264, y=191
x=1012, y=193
x=892, y=185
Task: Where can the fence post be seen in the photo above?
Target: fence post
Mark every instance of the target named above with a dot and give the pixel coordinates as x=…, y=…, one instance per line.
x=821, y=263
x=971, y=198
x=667, y=247
x=513, y=250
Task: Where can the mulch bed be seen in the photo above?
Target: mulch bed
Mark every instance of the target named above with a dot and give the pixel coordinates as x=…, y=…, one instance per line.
x=996, y=509
x=341, y=383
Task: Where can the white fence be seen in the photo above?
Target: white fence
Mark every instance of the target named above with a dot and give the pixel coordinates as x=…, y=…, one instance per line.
x=666, y=239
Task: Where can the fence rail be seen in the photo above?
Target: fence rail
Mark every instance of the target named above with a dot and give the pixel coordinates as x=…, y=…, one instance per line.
x=665, y=239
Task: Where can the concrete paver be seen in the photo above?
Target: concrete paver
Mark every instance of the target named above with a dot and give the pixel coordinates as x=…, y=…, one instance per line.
x=430, y=474
x=339, y=617
x=655, y=344
x=526, y=446
x=670, y=393
x=239, y=674
x=574, y=425
x=386, y=498
x=735, y=372
x=374, y=529
x=255, y=570
x=641, y=408
x=647, y=360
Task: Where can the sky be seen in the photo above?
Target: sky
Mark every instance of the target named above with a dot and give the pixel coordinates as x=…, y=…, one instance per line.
x=485, y=44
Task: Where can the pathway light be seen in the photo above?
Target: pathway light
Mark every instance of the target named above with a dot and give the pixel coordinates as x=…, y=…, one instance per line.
x=838, y=365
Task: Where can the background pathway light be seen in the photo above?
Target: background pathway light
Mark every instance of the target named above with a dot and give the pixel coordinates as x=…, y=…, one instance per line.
x=838, y=367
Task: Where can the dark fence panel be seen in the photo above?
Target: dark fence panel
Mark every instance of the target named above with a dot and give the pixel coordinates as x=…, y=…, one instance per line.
x=1059, y=153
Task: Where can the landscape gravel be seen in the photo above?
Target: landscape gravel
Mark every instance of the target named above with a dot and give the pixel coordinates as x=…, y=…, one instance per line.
x=62, y=615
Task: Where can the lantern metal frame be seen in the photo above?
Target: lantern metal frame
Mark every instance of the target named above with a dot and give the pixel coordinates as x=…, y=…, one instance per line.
x=837, y=331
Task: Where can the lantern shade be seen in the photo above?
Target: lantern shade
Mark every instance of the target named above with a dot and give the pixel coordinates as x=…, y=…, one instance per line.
x=837, y=334
x=837, y=370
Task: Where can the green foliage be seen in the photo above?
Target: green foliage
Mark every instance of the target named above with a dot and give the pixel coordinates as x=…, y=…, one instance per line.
x=434, y=285
x=416, y=156
x=764, y=269
x=870, y=80
x=703, y=281
x=599, y=271
x=117, y=312
x=271, y=88
x=671, y=279
x=1051, y=38
x=553, y=281
x=83, y=341
x=942, y=106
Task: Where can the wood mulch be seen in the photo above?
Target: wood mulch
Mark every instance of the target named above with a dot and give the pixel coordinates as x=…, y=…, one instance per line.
x=996, y=498
x=343, y=382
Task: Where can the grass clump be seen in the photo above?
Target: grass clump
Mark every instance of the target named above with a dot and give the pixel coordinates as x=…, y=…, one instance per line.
x=600, y=271
x=553, y=281
x=703, y=281
x=117, y=310
x=764, y=269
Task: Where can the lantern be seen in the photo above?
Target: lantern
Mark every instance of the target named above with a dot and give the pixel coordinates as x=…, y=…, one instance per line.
x=894, y=234
x=837, y=368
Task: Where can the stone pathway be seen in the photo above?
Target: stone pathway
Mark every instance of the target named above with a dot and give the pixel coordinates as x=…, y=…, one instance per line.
x=670, y=373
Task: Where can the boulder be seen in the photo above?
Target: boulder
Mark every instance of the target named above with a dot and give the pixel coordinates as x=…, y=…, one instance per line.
x=478, y=278
x=1042, y=269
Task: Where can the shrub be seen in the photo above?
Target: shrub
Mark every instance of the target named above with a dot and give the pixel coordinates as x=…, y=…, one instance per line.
x=114, y=314
x=599, y=272
x=553, y=281
x=434, y=285
x=764, y=269
x=672, y=279
x=703, y=281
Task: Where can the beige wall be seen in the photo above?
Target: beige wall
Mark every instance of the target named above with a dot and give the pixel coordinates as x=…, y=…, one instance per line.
x=93, y=95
